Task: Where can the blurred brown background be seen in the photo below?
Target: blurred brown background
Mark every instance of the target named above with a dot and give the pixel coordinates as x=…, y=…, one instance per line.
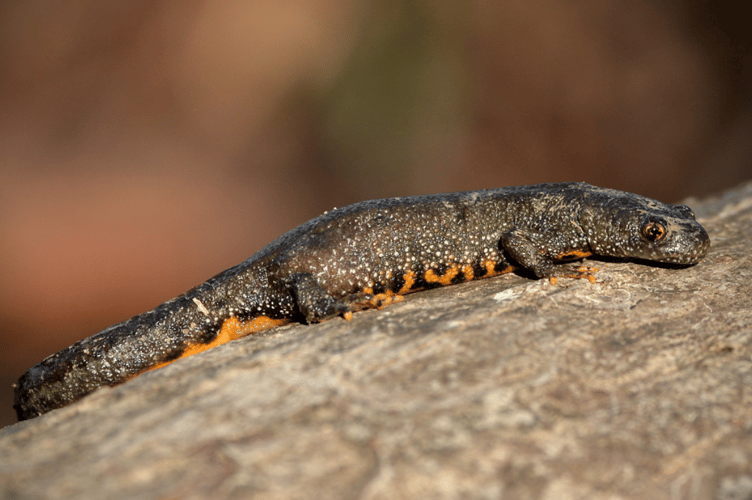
x=148, y=145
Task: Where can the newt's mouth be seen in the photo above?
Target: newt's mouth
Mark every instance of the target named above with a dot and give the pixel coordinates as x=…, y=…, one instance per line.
x=688, y=247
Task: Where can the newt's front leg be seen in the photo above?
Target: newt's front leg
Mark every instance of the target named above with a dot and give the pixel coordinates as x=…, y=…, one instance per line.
x=543, y=254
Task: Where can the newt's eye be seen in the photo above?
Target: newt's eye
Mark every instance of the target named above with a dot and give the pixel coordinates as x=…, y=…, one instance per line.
x=653, y=231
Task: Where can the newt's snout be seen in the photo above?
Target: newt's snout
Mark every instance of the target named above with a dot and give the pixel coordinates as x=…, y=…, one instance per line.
x=697, y=244
x=683, y=242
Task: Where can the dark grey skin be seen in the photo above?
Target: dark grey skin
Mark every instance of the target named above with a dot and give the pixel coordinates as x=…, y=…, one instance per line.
x=352, y=257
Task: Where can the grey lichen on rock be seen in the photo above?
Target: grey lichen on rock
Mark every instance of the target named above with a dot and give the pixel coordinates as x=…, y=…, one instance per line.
x=637, y=386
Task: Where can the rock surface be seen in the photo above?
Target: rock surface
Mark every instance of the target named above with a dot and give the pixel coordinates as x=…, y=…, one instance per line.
x=636, y=387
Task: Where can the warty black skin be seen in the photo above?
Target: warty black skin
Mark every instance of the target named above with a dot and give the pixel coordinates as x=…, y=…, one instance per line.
x=337, y=262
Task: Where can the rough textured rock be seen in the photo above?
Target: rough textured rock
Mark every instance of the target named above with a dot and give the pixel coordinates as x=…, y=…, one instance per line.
x=638, y=386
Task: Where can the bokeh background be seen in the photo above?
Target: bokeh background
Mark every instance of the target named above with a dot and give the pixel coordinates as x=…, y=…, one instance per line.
x=148, y=145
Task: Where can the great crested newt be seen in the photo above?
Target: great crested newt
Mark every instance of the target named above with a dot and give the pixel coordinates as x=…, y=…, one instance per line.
x=369, y=255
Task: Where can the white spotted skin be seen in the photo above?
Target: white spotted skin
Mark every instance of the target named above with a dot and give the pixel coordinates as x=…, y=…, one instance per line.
x=396, y=245
x=374, y=243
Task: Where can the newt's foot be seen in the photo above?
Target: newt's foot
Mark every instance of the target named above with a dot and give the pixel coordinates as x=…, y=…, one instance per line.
x=582, y=272
x=358, y=302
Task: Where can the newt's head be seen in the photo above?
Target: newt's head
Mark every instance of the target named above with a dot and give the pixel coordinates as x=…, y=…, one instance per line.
x=637, y=227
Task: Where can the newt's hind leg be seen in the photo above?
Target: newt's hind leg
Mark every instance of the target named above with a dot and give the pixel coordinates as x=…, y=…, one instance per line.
x=313, y=301
x=365, y=300
x=316, y=304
